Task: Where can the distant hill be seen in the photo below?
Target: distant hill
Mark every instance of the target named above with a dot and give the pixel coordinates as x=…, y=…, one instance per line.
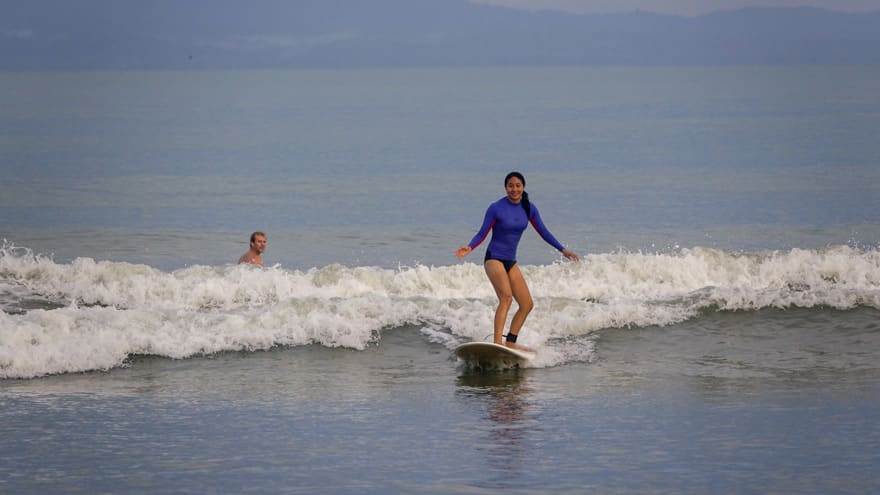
x=198, y=34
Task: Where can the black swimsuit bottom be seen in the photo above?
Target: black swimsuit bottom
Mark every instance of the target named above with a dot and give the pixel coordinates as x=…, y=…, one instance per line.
x=508, y=264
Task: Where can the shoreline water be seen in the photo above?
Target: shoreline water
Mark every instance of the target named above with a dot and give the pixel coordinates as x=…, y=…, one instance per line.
x=721, y=334
x=653, y=411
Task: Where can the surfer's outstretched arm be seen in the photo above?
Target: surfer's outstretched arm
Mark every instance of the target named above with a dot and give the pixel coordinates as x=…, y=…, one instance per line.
x=545, y=234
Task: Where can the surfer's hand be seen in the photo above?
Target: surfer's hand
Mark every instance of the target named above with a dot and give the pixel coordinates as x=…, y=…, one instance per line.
x=462, y=252
x=571, y=255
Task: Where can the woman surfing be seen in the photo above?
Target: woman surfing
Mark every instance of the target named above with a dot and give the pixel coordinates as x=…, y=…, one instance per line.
x=508, y=218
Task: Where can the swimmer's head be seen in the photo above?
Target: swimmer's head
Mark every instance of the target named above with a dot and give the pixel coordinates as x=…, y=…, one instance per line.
x=258, y=241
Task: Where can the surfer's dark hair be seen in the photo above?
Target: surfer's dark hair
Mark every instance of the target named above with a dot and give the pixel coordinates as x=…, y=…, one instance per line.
x=527, y=206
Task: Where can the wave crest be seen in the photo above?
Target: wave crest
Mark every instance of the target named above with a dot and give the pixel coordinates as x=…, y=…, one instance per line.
x=89, y=314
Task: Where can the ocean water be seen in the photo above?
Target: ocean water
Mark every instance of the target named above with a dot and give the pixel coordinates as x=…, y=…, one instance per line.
x=719, y=335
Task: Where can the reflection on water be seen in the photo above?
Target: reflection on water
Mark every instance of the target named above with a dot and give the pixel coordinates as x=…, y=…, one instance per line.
x=508, y=419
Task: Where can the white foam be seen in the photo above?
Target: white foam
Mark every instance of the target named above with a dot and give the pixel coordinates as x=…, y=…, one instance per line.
x=112, y=310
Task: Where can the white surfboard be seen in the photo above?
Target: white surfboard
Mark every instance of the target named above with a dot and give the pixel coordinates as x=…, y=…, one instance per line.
x=491, y=355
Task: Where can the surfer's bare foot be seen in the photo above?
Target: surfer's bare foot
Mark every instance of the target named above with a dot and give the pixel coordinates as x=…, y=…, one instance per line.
x=519, y=347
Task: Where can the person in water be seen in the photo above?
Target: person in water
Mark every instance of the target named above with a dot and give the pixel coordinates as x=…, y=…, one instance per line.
x=255, y=253
x=508, y=218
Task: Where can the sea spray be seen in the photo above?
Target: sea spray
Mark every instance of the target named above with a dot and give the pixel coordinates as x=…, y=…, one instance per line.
x=93, y=314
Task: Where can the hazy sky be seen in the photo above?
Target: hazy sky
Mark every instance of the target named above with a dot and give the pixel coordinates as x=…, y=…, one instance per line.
x=681, y=7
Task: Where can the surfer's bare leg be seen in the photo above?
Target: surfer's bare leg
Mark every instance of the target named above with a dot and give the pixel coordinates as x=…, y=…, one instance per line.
x=520, y=291
x=501, y=284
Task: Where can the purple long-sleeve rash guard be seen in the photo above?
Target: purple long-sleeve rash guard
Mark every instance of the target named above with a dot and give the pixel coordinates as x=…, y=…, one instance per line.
x=508, y=221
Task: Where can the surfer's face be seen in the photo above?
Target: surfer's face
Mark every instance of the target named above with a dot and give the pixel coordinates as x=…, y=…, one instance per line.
x=514, y=189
